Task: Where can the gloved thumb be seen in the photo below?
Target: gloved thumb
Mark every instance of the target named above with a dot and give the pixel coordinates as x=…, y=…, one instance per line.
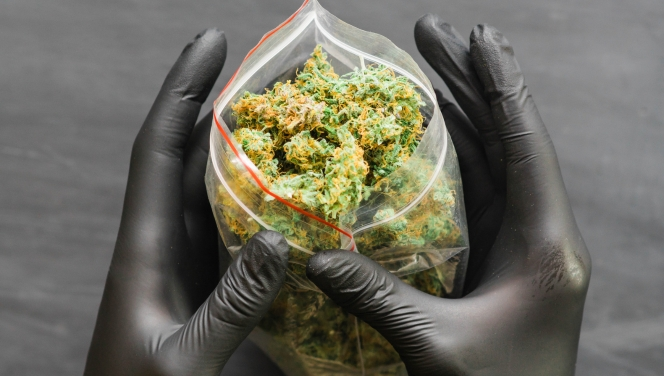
x=205, y=343
x=365, y=289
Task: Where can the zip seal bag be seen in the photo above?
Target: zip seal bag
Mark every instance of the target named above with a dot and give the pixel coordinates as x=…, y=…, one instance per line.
x=412, y=221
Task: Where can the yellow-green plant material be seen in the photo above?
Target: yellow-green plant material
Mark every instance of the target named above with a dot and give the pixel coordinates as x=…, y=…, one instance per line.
x=329, y=144
x=332, y=137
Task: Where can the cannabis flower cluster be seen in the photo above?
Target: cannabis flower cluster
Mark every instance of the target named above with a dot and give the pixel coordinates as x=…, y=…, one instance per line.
x=333, y=146
x=323, y=141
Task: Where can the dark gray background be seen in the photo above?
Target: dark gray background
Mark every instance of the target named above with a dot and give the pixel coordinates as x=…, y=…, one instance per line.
x=78, y=77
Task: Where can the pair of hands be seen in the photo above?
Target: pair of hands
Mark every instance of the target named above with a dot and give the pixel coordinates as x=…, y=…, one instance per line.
x=164, y=310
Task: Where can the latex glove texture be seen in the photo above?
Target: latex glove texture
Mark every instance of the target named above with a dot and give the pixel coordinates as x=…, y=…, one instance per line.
x=529, y=268
x=164, y=310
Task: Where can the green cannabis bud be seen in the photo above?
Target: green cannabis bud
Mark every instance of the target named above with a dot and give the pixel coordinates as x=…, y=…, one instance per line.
x=330, y=137
x=329, y=144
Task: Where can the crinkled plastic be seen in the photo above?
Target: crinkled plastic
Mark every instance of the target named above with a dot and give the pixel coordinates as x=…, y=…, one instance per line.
x=413, y=224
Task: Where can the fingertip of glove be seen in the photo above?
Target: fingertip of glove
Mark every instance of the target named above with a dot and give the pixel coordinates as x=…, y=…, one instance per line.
x=494, y=60
x=319, y=263
x=434, y=25
x=431, y=28
x=211, y=32
x=484, y=35
x=348, y=278
x=333, y=270
x=207, y=36
x=270, y=244
x=429, y=21
x=198, y=66
x=208, y=41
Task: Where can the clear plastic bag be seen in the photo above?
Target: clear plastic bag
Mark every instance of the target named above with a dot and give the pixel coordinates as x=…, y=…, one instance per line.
x=413, y=223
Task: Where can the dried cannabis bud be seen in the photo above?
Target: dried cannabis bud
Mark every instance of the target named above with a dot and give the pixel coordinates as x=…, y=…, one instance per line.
x=324, y=140
x=328, y=143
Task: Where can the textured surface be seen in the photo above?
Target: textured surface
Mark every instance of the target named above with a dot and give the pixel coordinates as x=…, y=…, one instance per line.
x=78, y=78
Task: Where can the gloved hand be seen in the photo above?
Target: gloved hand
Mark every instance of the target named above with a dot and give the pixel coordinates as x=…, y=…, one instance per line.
x=161, y=313
x=529, y=267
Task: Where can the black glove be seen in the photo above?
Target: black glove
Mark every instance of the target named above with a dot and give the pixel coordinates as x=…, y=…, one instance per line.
x=529, y=268
x=161, y=313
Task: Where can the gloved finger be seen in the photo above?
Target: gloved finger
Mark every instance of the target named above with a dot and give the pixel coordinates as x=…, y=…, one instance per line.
x=154, y=189
x=535, y=189
x=480, y=196
x=195, y=159
x=205, y=343
x=365, y=289
x=477, y=183
x=443, y=48
x=200, y=265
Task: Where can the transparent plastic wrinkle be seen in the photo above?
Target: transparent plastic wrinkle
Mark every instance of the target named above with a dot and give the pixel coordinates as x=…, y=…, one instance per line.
x=424, y=153
x=409, y=263
x=300, y=283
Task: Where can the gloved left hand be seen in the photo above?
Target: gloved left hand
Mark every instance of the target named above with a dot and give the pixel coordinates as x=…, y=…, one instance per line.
x=529, y=267
x=161, y=313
